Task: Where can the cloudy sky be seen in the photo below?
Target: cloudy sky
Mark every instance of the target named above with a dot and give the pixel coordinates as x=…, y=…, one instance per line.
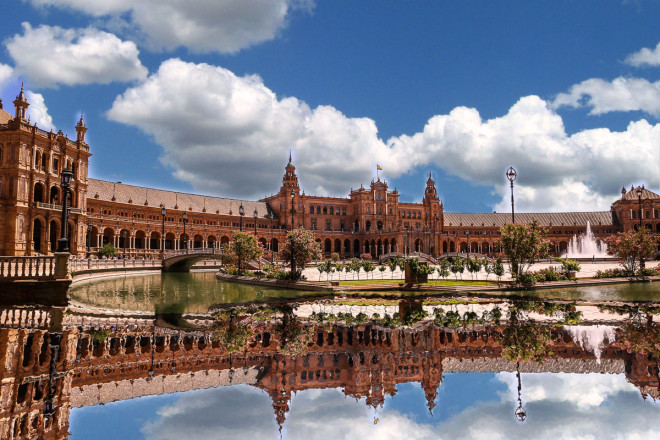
x=469, y=406
x=211, y=95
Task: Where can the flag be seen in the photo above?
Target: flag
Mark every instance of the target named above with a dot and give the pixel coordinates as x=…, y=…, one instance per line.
x=379, y=168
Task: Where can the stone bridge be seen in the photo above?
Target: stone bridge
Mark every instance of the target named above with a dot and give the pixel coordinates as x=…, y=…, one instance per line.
x=183, y=259
x=425, y=258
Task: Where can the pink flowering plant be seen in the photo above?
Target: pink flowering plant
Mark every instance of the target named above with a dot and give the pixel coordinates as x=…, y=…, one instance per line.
x=523, y=245
x=632, y=248
x=300, y=244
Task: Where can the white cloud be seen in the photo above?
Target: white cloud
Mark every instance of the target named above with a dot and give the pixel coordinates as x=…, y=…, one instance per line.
x=231, y=135
x=645, y=57
x=577, y=406
x=6, y=73
x=50, y=56
x=38, y=112
x=619, y=95
x=206, y=26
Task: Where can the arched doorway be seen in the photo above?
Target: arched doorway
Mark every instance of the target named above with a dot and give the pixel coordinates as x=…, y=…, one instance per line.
x=140, y=240
x=327, y=246
x=198, y=241
x=108, y=236
x=169, y=241
x=210, y=241
x=53, y=234
x=275, y=245
x=347, y=247
x=356, y=248
x=452, y=246
x=337, y=245
x=37, y=234
x=154, y=240
x=54, y=195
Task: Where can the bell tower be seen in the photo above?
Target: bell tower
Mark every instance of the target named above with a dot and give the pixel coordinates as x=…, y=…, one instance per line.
x=81, y=129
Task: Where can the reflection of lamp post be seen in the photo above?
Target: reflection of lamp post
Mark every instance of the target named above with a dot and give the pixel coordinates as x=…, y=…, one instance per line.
x=511, y=175
x=255, y=215
x=520, y=413
x=185, y=241
x=63, y=242
x=54, y=345
x=163, y=212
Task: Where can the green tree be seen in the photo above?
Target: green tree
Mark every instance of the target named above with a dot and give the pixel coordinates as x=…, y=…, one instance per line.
x=382, y=270
x=392, y=264
x=443, y=269
x=473, y=266
x=300, y=248
x=488, y=267
x=368, y=267
x=356, y=265
x=242, y=249
x=632, y=248
x=107, y=250
x=498, y=269
x=523, y=245
x=457, y=266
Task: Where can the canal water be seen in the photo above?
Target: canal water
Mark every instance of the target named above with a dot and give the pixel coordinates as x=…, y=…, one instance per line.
x=184, y=356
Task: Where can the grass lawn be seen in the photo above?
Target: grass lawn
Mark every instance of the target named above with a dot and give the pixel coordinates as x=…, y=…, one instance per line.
x=432, y=282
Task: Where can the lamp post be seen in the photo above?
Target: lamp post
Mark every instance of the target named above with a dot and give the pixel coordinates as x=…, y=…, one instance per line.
x=63, y=242
x=511, y=175
x=272, y=251
x=405, y=247
x=468, y=243
x=89, y=238
x=639, y=198
x=163, y=212
x=435, y=221
x=255, y=214
x=185, y=241
x=241, y=212
x=293, y=260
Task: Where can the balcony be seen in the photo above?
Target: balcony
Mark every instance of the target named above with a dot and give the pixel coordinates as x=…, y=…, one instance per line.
x=52, y=207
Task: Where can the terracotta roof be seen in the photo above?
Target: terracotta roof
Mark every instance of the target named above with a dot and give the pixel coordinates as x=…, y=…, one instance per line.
x=545, y=219
x=137, y=195
x=5, y=117
x=632, y=194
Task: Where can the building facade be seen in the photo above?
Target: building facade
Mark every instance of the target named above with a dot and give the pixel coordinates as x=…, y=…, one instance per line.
x=368, y=221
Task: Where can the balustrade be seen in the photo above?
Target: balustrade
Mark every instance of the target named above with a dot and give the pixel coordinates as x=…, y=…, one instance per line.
x=27, y=268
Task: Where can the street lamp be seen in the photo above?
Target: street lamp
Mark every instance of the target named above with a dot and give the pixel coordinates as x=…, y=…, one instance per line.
x=272, y=251
x=63, y=242
x=241, y=212
x=255, y=215
x=293, y=261
x=163, y=212
x=639, y=197
x=89, y=237
x=185, y=241
x=405, y=248
x=468, y=243
x=511, y=175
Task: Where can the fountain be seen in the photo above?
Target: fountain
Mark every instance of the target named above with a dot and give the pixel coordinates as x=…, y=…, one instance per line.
x=586, y=246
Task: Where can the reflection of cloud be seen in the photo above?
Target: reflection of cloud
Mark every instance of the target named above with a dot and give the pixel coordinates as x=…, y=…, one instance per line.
x=558, y=406
x=238, y=412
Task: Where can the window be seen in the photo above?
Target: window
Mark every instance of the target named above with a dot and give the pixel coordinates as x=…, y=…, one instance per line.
x=313, y=224
x=325, y=210
x=55, y=165
x=328, y=225
x=343, y=211
x=318, y=209
x=332, y=210
x=342, y=225
x=311, y=210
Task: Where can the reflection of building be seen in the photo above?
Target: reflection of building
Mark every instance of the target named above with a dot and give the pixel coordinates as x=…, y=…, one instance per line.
x=370, y=220
x=104, y=359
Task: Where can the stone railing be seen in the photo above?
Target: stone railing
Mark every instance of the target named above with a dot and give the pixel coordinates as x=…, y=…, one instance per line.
x=28, y=268
x=80, y=264
x=55, y=207
x=25, y=318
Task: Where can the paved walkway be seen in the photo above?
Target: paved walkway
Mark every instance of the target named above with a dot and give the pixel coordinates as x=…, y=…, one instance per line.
x=587, y=270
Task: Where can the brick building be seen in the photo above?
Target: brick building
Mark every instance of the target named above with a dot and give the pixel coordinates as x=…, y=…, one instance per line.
x=369, y=220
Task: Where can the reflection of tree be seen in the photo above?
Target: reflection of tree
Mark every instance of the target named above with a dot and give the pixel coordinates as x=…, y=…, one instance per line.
x=233, y=332
x=295, y=335
x=639, y=337
x=524, y=340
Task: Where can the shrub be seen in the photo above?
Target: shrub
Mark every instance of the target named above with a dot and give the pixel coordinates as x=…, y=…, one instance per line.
x=107, y=250
x=527, y=279
x=334, y=256
x=365, y=257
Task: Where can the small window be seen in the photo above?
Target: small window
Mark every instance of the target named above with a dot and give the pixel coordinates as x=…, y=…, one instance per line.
x=325, y=210
x=311, y=210
x=332, y=210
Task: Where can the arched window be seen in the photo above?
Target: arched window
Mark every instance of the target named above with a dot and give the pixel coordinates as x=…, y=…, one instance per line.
x=325, y=210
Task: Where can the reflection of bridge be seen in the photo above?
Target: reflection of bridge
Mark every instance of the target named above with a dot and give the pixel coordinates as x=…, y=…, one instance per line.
x=183, y=259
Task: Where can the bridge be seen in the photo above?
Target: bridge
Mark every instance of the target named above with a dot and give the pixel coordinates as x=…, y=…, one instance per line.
x=183, y=259
x=425, y=258
x=463, y=255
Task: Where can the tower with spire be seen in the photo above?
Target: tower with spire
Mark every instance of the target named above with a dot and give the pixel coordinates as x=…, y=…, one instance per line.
x=432, y=205
x=20, y=106
x=81, y=129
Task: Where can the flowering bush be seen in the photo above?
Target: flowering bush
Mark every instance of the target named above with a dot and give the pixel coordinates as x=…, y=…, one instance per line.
x=301, y=245
x=632, y=248
x=523, y=244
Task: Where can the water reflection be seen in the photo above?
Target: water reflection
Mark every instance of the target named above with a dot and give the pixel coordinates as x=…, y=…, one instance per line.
x=56, y=360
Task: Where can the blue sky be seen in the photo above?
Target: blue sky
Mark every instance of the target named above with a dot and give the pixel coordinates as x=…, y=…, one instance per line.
x=211, y=98
x=468, y=406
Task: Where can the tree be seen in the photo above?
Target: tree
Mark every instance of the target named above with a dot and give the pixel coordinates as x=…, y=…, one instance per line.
x=473, y=266
x=457, y=266
x=107, y=250
x=242, y=249
x=523, y=244
x=498, y=269
x=443, y=269
x=392, y=264
x=300, y=248
x=488, y=267
x=368, y=267
x=382, y=270
x=632, y=248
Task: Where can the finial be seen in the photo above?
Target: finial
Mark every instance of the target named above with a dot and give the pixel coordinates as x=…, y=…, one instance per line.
x=81, y=122
x=289, y=156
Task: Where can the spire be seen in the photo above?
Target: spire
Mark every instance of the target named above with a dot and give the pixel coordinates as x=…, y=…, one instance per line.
x=81, y=129
x=290, y=180
x=290, y=157
x=21, y=105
